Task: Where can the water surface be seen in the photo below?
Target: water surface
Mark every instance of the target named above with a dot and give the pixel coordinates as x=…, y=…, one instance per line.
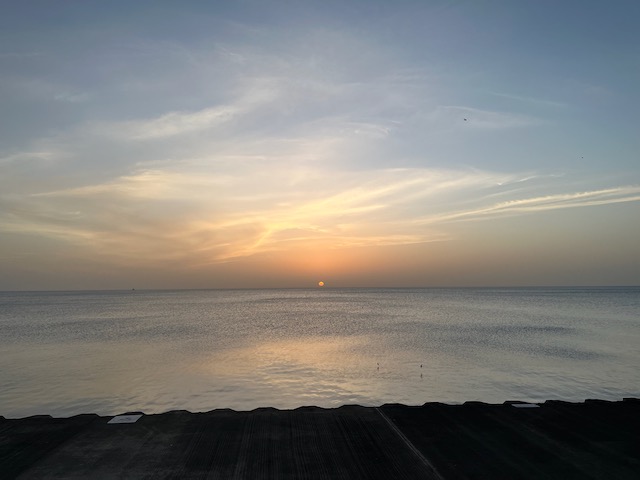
x=64, y=353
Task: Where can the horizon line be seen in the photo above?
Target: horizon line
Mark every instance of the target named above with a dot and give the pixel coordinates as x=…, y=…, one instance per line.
x=315, y=287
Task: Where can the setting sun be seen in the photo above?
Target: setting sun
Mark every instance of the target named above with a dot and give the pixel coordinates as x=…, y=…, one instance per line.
x=321, y=284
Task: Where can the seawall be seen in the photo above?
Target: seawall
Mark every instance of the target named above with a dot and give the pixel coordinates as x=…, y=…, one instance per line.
x=593, y=439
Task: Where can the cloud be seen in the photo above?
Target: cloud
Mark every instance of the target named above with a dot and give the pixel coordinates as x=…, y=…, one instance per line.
x=369, y=130
x=72, y=97
x=557, y=201
x=530, y=100
x=231, y=56
x=277, y=149
x=270, y=169
x=28, y=156
x=225, y=215
x=20, y=54
x=209, y=210
x=178, y=123
x=482, y=119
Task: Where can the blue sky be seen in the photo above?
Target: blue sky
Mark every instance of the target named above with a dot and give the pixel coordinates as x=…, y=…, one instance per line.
x=257, y=144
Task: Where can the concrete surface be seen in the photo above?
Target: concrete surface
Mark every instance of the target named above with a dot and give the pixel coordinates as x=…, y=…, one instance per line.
x=594, y=439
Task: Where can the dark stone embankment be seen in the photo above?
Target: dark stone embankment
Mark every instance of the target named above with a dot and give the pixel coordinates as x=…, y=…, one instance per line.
x=594, y=439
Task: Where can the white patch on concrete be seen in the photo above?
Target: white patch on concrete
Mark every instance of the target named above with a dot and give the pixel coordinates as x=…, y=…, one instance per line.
x=125, y=419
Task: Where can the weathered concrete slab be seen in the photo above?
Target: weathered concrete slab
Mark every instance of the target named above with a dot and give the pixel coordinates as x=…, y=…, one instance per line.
x=557, y=440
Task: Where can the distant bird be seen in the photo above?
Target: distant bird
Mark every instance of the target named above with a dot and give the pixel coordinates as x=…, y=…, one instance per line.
x=465, y=119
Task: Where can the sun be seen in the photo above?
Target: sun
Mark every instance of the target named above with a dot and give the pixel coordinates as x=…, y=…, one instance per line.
x=321, y=283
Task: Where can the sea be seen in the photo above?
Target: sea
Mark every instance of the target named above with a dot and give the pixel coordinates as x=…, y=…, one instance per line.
x=111, y=352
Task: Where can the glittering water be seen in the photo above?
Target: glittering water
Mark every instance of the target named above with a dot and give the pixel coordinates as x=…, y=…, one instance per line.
x=64, y=353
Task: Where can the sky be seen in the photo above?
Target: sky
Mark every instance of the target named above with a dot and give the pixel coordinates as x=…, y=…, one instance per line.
x=252, y=143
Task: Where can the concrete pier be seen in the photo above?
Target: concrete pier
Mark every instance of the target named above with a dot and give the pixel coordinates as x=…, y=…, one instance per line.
x=594, y=439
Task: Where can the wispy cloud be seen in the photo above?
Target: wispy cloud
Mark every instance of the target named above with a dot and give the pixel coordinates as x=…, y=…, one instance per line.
x=205, y=215
x=28, y=156
x=275, y=142
x=543, y=203
x=20, y=54
x=178, y=123
x=484, y=119
x=72, y=97
x=530, y=100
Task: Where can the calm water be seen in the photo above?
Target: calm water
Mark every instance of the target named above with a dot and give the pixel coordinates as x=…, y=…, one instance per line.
x=64, y=353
